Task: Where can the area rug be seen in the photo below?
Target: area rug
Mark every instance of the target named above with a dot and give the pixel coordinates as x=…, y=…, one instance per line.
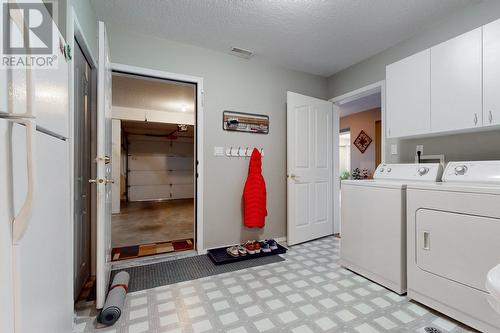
x=144, y=250
x=185, y=269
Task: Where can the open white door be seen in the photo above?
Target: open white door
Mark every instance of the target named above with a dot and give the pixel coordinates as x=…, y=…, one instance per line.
x=310, y=171
x=103, y=180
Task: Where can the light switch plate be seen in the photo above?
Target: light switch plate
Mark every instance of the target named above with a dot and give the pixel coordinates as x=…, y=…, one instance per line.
x=394, y=149
x=420, y=148
x=219, y=151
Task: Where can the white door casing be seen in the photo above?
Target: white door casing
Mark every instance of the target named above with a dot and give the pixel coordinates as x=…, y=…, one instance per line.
x=310, y=171
x=104, y=170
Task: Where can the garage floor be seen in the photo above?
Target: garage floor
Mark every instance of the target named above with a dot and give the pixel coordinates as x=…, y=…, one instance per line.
x=153, y=222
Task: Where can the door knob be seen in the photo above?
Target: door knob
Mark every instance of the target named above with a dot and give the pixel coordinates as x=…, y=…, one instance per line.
x=106, y=159
x=101, y=181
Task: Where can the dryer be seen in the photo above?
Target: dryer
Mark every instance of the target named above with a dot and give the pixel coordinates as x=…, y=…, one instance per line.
x=373, y=221
x=454, y=241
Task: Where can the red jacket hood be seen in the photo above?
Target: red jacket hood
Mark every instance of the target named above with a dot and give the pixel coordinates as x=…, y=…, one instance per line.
x=255, y=166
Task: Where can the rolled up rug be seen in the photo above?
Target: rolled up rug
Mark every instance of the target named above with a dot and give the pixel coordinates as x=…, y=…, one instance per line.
x=115, y=301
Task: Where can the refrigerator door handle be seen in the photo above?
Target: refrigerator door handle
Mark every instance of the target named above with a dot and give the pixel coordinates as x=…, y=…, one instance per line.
x=20, y=223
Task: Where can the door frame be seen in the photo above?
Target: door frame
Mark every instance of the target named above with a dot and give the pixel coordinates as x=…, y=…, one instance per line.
x=74, y=31
x=337, y=102
x=198, y=81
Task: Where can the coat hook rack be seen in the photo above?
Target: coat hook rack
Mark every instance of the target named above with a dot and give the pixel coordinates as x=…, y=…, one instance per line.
x=242, y=151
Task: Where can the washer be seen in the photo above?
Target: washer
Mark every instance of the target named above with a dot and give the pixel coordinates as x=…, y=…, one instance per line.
x=454, y=241
x=373, y=237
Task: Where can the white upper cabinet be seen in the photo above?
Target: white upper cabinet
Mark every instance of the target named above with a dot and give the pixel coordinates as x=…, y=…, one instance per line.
x=408, y=101
x=456, y=83
x=491, y=74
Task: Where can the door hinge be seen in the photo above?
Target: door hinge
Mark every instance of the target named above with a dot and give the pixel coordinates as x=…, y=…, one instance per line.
x=85, y=87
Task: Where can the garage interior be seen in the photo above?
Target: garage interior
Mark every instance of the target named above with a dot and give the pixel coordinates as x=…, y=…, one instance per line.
x=155, y=210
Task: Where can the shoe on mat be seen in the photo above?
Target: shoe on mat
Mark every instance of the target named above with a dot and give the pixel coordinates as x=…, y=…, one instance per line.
x=250, y=247
x=272, y=244
x=233, y=251
x=256, y=246
x=264, y=246
x=242, y=251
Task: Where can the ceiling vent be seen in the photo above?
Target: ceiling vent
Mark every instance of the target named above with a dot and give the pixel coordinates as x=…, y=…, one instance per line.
x=241, y=52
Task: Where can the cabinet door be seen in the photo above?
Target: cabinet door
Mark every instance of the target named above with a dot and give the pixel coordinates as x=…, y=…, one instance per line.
x=491, y=74
x=456, y=83
x=408, y=96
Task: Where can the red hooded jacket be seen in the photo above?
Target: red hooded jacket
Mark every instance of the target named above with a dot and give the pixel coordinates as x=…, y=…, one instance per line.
x=254, y=194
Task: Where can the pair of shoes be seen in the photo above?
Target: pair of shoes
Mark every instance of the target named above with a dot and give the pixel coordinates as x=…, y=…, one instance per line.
x=252, y=247
x=268, y=245
x=236, y=251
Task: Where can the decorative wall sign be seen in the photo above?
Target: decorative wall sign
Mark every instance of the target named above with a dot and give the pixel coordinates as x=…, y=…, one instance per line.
x=245, y=122
x=362, y=141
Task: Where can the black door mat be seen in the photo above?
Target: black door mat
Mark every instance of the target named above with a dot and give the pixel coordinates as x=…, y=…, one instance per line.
x=185, y=269
x=220, y=256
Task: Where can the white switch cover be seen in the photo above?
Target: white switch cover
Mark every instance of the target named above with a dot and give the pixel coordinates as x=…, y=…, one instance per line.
x=218, y=151
x=420, y=148
x=394, y=149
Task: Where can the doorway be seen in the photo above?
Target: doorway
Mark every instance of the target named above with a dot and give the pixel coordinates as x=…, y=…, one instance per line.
x=154, y=166
x=361, y=134
x=83, y=123
x=345, y=153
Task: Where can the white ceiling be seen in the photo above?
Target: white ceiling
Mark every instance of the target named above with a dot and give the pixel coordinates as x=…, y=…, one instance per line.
x=361, y=104
x=315, y=36
x=153, y=94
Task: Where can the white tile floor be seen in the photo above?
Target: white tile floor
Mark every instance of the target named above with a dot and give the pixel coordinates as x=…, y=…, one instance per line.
x=308, y=292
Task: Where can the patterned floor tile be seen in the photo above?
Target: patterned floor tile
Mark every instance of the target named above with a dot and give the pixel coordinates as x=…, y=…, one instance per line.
x=308, y=292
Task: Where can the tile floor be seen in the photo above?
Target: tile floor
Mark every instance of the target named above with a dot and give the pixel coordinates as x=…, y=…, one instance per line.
x=309, y=292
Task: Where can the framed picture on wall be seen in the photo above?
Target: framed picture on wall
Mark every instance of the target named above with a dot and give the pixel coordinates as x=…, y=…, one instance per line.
x=362, y=141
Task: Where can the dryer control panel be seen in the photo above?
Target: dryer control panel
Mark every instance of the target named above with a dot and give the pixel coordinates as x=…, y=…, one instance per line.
x=474, y=172
x=425, y=171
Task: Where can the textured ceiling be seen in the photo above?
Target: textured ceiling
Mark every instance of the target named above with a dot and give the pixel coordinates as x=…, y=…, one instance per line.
x=314, y=36
x=153, y=94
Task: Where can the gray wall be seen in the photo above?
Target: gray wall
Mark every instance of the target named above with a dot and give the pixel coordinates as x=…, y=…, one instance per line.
x=231, y=83
x=462, y=147
x=88, y=22
x=86, y=17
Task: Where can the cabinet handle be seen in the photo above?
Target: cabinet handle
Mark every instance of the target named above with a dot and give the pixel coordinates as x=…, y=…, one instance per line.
x=490, y=117
x=475, y=118
x=427, y=245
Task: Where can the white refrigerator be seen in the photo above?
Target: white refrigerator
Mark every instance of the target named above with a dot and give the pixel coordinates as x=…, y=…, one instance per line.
x=36, y=254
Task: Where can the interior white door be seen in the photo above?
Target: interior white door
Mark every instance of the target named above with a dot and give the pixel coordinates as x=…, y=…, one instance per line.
x=310, y=173
x=103, y=180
